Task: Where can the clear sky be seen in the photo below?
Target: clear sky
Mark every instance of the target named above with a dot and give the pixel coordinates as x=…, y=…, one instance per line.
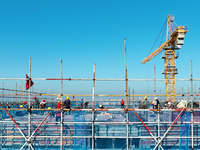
x=84, y=32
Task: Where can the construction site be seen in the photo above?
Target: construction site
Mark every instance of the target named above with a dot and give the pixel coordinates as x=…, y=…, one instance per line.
x=171, y=124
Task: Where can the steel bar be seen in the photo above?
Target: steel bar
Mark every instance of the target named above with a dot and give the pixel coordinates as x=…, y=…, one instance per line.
x=29, y=103
x=127, y=133
x=27, y=140
x=61, y=124
x=192, y=108
x=70, y=79
x=148, y=130
x=168, y=129
x=18, y=127
x=122, y=137
x=93, y=95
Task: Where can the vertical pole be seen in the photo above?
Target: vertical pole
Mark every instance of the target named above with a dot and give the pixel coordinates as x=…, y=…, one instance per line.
x=2, y=113
x=192, y=108
x=133, y=100
x=2, y=94
x=125, y=75
x=93, y=108
x=129, y=97
x=12, y=96
x=22, y=85
x=29, y=103
x=127, y=135
x=159, y=127
x=154, y=81
x=16, y=96
x=61, y=124
x=199, y=96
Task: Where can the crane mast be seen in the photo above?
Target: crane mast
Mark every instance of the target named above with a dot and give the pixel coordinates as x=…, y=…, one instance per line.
x=174, y=41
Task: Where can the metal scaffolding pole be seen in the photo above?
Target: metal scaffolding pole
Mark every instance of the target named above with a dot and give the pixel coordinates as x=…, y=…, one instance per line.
x=192, y=108
x=126, y=85
x=127, y=131
x=93, y=94
x=61, y=124
x=29, y=103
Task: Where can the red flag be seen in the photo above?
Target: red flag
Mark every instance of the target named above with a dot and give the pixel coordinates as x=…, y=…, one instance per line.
x=27, y=82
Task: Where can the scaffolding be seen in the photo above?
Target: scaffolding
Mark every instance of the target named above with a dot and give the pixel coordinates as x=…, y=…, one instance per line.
x=92, y=128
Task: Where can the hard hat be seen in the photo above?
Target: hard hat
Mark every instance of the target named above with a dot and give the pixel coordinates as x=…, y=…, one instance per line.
x=67, y=97
x=25, y=102
x=34, y=97
x=43, y=100
x=49, y=107
x=145, y=97
x=169, y=100
x=21, y=106
x=156, y=98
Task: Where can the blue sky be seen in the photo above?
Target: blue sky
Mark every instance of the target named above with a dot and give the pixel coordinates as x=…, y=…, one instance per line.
x=85, y=32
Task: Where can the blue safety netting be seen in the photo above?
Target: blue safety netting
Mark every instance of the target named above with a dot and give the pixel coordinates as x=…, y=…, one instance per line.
x=110, y=130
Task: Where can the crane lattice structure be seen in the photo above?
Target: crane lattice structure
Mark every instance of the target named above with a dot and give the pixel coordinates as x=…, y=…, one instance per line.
x=174, y=41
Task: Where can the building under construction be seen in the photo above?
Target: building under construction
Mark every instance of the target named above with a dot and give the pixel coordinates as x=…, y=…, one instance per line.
x=111, y=127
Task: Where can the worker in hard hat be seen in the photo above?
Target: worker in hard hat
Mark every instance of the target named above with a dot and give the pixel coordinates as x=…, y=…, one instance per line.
x=101, y=106
x=156, y=103
x=67, y=104
x=122, y=103
x=82, y=102
x=145, y=103
x=170, y=104
x=37, y=102
x=43, y=104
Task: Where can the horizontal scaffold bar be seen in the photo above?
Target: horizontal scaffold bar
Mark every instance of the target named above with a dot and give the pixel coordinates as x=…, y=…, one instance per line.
x=129, y=109
x=119, y=95
x=70, y=79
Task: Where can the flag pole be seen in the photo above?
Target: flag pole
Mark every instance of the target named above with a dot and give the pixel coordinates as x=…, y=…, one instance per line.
x=29, y=103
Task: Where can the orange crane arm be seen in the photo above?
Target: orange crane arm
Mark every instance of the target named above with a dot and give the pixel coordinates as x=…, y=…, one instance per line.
x=178, y=33
x=156, y=52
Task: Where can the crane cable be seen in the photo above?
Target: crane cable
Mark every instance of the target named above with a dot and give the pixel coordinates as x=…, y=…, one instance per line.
x=158, y=37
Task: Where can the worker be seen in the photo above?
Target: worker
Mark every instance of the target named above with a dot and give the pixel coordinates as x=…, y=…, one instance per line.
x=59, y=105
x=82, y=102
x=67, y=104
x=58, y=113
x=145, y=103
x=156, y=103
x=37, y=102
x=122, y=103
x=101, y=106
x=25, y=104
x=86, y=104
x=169, y=104
x=43, y=104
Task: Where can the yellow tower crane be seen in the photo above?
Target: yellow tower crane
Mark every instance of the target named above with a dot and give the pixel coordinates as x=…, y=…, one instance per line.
x=174, y=41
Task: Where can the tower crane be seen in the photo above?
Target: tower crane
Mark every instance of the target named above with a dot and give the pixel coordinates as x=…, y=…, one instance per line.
x=174, y=41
